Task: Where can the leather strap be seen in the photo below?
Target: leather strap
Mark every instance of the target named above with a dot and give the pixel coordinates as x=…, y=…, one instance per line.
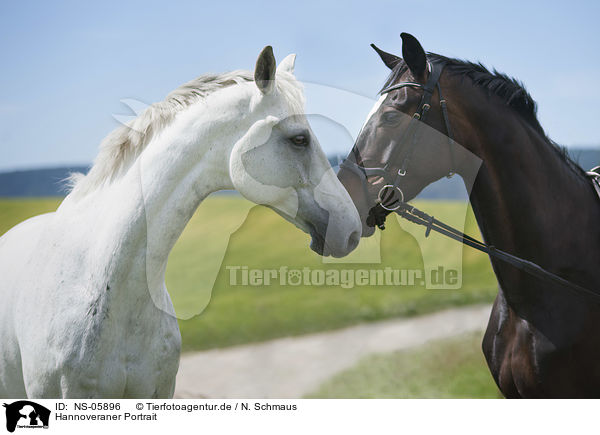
x=419, y=217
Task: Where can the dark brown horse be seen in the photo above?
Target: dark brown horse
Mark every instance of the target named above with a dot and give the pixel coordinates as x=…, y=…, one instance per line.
x=529, y=199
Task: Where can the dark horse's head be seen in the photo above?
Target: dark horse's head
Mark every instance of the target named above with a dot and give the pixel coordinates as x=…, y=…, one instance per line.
x=404, y=143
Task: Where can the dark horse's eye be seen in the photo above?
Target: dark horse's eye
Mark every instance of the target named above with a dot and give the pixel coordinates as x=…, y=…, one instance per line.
x=391, y=117
x=300, y=140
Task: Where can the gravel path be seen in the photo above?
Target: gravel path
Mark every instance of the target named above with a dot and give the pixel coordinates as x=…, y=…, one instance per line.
x=295, y=366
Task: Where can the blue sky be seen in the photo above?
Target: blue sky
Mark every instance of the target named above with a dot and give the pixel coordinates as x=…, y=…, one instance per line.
x=67, y=65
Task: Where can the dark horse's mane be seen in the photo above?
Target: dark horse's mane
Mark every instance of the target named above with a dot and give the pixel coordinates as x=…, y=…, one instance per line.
x=507, y=88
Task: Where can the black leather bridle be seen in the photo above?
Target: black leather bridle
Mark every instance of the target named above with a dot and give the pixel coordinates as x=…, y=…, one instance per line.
x=387, y=198
x=388, y=202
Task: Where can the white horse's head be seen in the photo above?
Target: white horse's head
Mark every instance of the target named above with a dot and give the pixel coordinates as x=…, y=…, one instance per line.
x=279, y=162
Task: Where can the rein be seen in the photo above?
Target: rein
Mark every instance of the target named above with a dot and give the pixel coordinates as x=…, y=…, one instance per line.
x=419, y=217
x=386, y=202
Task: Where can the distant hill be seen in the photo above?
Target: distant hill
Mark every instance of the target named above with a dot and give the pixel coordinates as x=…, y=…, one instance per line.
x=37, y=182
x=50, y=181
x=586, y=158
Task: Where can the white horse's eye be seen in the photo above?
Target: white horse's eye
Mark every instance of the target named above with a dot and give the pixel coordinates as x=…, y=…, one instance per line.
x=300, y=140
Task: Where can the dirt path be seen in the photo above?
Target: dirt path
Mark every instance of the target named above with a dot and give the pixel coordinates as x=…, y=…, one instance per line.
x=295, y=366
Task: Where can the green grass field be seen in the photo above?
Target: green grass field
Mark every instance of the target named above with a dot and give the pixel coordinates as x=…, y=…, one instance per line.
x=235, y=314
x=453, y=368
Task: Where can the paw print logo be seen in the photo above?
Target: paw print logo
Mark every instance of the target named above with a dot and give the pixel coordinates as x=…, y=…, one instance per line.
x=294, y=277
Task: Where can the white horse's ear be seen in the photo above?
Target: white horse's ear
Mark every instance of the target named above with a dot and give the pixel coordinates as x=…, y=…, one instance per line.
x=288, y=63
x=264, y=73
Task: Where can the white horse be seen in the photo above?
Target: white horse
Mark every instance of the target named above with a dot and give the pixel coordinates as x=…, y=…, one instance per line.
x=85, y=311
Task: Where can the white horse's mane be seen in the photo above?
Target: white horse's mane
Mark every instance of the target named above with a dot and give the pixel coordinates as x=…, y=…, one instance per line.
x=124, y=144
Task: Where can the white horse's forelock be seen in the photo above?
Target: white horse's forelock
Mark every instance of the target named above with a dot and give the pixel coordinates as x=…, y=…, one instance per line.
x=124, y=144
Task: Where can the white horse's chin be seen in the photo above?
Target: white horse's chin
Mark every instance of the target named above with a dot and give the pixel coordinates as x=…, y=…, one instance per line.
x=368, y=231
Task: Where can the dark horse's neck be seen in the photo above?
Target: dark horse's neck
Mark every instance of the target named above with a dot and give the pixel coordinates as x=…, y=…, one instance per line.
x=530, y=201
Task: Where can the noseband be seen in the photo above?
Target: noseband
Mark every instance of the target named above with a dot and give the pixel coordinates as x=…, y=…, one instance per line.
x=387, y=197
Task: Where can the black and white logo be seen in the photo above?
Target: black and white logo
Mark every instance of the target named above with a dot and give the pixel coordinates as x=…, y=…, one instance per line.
x=26, y=414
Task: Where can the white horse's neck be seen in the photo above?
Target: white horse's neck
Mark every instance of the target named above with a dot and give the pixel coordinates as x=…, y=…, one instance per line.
x=150, y=205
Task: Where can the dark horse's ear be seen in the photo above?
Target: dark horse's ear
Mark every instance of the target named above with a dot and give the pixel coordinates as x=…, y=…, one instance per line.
x=390, y=60
x=414, y=56
x=264, y=73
